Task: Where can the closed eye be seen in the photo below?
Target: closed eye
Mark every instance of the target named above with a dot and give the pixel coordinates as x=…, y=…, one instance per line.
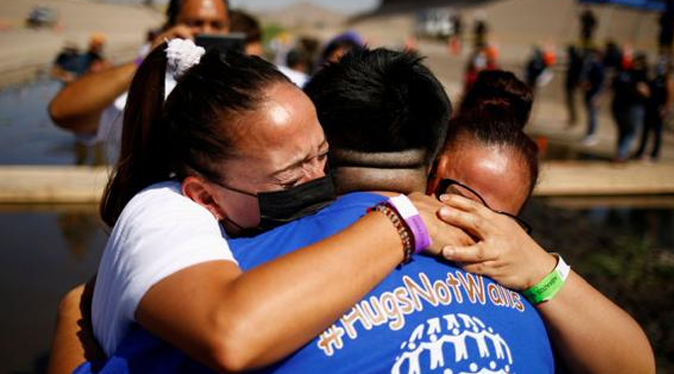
x=290, y=184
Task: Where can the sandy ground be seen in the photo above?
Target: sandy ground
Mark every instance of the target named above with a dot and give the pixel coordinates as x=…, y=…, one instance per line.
x=23, y=51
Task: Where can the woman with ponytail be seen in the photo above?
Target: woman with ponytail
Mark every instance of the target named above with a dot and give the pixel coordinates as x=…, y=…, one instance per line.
x=231, y=140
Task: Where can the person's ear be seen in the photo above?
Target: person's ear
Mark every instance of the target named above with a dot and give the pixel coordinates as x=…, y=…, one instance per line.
x=204, y=194
x=439, y=165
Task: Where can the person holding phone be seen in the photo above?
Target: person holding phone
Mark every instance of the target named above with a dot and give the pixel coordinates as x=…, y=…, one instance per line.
x=91, y=106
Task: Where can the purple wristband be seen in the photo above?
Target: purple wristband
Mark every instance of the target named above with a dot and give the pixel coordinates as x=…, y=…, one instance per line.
x=410, y=215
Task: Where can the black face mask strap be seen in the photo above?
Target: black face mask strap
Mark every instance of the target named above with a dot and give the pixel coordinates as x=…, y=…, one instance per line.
x=243, y=232
x=234, y=189
x=214, y=179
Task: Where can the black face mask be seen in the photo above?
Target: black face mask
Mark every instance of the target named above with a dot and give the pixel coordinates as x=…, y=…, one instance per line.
x=280, y=207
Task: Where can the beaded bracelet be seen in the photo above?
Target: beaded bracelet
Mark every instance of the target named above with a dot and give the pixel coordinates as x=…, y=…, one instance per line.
x=401, y=228
x=411, y=228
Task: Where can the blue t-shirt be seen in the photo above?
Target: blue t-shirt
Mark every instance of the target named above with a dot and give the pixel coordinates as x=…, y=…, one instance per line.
x=425, y=317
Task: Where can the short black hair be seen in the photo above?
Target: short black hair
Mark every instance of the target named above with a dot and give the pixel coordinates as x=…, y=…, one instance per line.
x=240, y=21
x=381, y=101
x=295, y=57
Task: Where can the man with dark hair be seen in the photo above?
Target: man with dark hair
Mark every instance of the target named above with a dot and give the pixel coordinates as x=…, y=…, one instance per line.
x=588, y=24
x=593, y=76
x=248, y=25
x=296, y=67
x=297, y=60
x=403, y=134
x=91, y=106
x=572, y=80
x=666, y=34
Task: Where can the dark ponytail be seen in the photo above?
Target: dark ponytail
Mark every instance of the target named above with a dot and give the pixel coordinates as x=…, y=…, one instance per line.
x=138, y=165
x=191, y=131
x=499, y=93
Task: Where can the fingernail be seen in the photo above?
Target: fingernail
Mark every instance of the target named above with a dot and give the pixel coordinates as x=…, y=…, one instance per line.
x=444, y=211
x=444, y=197
x=448, y=251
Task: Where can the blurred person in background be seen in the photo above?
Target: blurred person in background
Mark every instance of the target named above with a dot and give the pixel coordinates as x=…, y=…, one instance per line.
x=475, y=64
x=480, y=31
x=593, y=77
x=338, y=46
x=456, y=38
x=70, y=64
x=310, y=48
x=247, y=24
x=612, y=57
x=94, y=57
x=66, y=65
x=630, y=93
x=296, y=67
x=658, y=106
x=150, y=38
x=666, y=35
x=91, y=106
x=537, y=70
x=588, y=25
x=574, y=71
x=483, y=59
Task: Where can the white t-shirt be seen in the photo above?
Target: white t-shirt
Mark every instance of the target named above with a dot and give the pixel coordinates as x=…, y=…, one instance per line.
x=300, y=79
x=159, y=233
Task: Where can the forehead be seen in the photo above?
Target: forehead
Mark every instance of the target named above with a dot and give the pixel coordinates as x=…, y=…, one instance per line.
x=202, y=9
x=284, y=129
x=496, y=173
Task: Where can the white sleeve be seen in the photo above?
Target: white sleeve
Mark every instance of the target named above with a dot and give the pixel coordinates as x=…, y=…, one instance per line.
x=159, y=233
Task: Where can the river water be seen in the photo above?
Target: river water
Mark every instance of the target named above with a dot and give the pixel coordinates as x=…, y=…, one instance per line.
x=625, y=247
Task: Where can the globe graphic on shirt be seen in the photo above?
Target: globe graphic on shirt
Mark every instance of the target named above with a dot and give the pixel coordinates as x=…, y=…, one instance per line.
x=454, y=344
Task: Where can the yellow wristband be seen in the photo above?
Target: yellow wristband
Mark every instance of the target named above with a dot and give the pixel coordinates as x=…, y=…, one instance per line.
x=548, y=287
